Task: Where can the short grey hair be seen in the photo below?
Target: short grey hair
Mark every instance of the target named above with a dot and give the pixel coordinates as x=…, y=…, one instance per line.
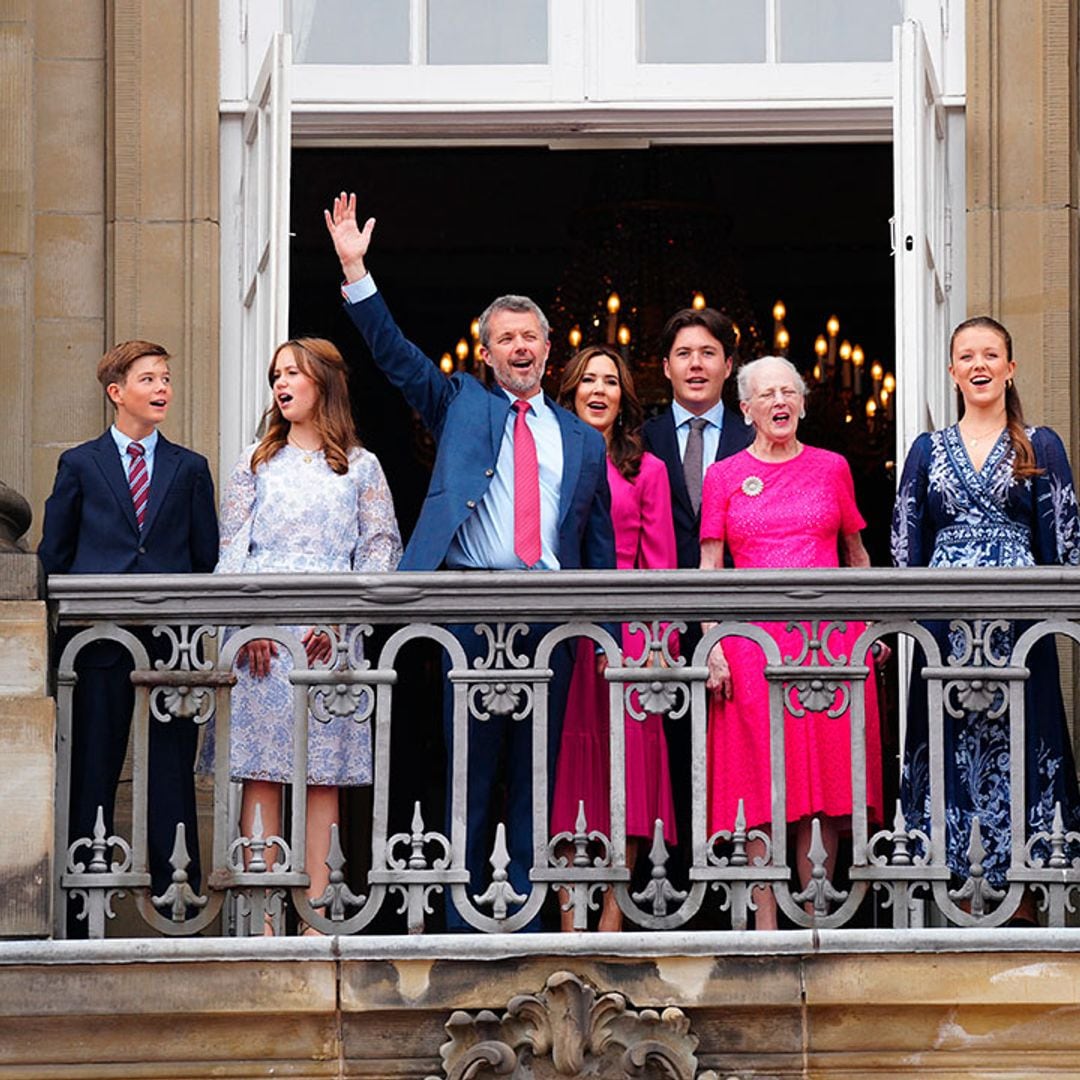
x=510, y=302
x=748, y=371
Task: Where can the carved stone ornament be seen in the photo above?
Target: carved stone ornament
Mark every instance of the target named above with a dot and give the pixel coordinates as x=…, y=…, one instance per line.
x=568, y=1029
x=15, y=518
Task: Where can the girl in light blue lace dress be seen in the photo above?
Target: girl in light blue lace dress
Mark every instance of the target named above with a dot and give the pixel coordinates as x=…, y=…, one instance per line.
x=988, y=491
x=307, y=498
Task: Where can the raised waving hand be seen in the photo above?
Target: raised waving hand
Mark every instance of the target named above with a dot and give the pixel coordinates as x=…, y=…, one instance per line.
x=350, y=241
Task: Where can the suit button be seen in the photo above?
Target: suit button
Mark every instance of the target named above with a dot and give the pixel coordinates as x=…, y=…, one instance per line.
x=489, y=472
x=471, y=504
x=142, y=551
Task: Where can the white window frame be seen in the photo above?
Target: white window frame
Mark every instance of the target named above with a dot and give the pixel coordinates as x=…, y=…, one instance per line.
x=255, y=226
x=581, y=122
x=923, y=242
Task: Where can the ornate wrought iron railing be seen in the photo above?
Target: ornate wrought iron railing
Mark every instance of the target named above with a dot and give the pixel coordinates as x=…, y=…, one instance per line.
x=894, y=875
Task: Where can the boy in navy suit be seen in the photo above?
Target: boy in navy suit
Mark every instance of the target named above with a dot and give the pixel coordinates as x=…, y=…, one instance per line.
x=130, y=502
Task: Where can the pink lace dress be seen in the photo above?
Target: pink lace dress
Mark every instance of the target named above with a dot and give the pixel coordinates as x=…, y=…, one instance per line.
x=644, y=540
x=786, y=514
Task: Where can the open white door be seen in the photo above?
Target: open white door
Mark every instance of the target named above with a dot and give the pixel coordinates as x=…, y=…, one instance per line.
x=264, y=199
x=922, y=247
x=922, y=240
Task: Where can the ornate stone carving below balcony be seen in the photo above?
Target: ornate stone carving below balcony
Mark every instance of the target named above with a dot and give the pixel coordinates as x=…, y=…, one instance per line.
x=569, y=1029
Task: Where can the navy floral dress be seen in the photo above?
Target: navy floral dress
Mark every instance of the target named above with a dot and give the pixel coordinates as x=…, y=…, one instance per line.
x=948, y=513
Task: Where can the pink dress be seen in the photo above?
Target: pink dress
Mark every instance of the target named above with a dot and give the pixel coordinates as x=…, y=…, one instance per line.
x=795, y=519
x=644, y=540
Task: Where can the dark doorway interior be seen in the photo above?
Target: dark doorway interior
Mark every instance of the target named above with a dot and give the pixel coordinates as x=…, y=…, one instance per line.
x=457, y=227
x=745, y=225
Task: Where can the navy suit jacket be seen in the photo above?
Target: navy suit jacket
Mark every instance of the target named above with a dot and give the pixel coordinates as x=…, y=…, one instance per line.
x=90, y=525
x=661, y=440
x=467, y=421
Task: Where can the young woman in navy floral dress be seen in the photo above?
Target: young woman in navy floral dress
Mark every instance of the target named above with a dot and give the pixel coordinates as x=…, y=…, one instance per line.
x=988, y=491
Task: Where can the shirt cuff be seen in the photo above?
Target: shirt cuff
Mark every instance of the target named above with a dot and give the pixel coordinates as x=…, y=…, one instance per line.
x=356, y=291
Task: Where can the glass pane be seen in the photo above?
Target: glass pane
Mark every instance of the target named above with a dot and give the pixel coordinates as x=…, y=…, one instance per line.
x=837, y=30
x=350, y=31
x=487, y=32
x=702, y=31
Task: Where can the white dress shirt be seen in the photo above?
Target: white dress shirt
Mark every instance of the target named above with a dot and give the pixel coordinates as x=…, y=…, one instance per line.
x=710, y=434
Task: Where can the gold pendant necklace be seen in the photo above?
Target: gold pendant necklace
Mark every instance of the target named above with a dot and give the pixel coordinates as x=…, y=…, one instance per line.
x=974, y=440
x=308, y=455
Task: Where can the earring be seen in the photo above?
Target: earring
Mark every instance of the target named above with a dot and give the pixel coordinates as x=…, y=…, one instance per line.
x=802, y=413
x=746, y=420
x=1008, y=384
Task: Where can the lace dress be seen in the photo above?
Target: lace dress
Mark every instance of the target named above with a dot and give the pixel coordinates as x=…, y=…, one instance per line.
x=786, y=514
x=296, y=515
x=948, y=513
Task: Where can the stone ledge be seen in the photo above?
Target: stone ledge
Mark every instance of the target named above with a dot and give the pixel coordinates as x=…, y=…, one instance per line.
x=297, y=1007
x=24, y=649
x=26, y=839
x=21, y=576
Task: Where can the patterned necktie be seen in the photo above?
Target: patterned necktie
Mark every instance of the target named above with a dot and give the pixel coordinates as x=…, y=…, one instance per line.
x=692, y=460
x=526, y=490
x=138, y=480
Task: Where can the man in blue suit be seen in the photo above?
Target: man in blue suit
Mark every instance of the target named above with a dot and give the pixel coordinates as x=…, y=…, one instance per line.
x=469, y=520
x=697, y=429
x=130, y=502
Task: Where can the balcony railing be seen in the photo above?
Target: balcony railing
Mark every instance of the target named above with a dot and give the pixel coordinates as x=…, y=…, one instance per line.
x=893, y=874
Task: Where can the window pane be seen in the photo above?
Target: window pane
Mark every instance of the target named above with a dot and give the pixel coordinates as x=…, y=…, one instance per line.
x=487, y=32
x=837, y=30
x=702, y=31
x=351, y=31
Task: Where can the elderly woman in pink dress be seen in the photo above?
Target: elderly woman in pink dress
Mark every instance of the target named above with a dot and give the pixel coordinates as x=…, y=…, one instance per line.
x=597, y=385
x=780, y=503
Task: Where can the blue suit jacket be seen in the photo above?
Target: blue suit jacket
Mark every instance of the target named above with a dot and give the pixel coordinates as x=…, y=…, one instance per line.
x=661, y=440
x=467, y=421
x=90, y=525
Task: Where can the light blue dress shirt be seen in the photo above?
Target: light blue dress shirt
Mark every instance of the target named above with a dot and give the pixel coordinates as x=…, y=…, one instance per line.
x=359, y=290
x=485, y=540
x=149, y=444
x=710, y=434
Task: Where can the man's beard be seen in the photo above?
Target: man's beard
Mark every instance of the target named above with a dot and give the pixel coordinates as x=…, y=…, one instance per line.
x=522, y=382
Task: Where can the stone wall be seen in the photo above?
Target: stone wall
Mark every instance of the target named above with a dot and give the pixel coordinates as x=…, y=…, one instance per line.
x=108, y=217
x=52, y=233
x=27, y=733
x=1023, y=168
x=329, y=1008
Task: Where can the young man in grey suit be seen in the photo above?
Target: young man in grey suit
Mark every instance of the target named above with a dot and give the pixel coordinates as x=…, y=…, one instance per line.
x=695, y=430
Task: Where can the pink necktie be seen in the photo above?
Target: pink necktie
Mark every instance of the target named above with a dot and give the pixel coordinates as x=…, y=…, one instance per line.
x=526, y=490
x=138, y=480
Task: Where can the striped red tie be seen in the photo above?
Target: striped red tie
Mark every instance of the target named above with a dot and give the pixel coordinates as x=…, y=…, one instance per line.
x=526, y=490
x=138, y=480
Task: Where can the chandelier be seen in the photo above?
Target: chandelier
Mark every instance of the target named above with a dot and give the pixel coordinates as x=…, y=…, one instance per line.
x=851, y=407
